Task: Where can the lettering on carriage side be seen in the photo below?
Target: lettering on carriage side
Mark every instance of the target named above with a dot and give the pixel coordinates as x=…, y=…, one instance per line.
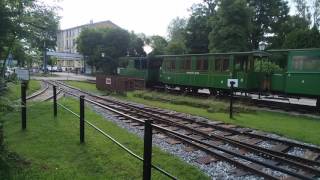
x=196, y=73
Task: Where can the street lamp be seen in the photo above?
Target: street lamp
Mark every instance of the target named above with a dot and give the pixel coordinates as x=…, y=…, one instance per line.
x=262, y=46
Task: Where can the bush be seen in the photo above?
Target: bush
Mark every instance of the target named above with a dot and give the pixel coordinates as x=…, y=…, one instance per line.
x=1, y=137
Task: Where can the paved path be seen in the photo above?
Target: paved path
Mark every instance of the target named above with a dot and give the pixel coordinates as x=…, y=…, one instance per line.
x=65, y=76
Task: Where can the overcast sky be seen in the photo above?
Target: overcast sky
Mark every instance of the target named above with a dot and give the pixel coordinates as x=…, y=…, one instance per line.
x=151, y=17
x=142, y=16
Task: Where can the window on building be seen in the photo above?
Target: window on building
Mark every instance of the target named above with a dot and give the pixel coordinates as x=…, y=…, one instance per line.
x=306, y=63
x=221, y=64
x=202, y=63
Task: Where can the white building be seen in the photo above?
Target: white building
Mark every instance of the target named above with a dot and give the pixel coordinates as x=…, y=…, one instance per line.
x=66, y=44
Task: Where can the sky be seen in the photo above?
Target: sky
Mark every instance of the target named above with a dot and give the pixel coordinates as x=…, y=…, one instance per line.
x=150, y=17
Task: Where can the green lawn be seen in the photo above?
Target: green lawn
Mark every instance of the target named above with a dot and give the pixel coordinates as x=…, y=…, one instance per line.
x=50, y=149
x=14, y=89
x=85, y=86
x=296, y=127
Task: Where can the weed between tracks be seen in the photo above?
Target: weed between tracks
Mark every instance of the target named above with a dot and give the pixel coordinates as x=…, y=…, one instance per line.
x=50, y=149
x=210, y=104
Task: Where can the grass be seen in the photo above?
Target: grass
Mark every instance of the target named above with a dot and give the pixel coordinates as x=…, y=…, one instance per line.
x=297, y=127
x=14, y=89
x=50, y=149
x=85, y=86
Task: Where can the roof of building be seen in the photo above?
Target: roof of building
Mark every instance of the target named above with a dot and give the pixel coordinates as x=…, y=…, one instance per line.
x=92, y=24
x=65, y=56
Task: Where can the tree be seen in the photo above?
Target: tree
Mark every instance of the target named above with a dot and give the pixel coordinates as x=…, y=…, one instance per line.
x=158, y=45
x=176, y=32
x=104, y=46
x=303, y=10
x=88, y=44
x=176, y=29
x=28, y=21
x=316, y=13
x=176, y=47
x=302, y=38
x=136, y=45
x=230, y=28
x=198, y=28
x=266, y=19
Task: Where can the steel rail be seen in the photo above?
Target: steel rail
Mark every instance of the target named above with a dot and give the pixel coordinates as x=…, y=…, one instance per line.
x=214, y=137
x=214, y=153
x=225, y=139
x=220, y=127
x=38, y=93
x=246, y=145
x=280, y=169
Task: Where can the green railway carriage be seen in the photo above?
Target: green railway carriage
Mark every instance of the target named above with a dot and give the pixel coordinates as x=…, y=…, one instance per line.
x=212, y=70
x=302, y=74
x=299, y=75
x=140, y=67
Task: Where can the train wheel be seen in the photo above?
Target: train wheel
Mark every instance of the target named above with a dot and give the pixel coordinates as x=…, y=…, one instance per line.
x=194, y=90
x=213, y=92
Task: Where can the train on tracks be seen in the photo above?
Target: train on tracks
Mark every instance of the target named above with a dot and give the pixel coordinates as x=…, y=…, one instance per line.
x=297, y=75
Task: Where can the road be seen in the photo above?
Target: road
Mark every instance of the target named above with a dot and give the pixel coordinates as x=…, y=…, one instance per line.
x=65, y=76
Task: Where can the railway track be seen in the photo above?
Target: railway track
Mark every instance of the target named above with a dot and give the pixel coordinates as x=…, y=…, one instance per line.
x=44, y=94
x=252, y=152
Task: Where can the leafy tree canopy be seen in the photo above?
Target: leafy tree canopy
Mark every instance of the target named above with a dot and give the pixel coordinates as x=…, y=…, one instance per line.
x=230, y=32
x=158, y=45
x=102, y=47
x=30, y=22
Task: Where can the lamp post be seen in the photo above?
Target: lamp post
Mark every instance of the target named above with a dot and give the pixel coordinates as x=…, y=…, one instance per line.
x=262, y=46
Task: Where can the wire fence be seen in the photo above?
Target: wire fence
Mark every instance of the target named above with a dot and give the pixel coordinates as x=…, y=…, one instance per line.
x=147, y=154
x=147, y=165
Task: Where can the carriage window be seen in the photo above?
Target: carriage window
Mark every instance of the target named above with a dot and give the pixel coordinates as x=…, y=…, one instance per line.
x=137, y=64
x=143, y=64
x=202, y=64
x=306, y=63
x=186, y=63
x=172, y=64
x=221, y=64
x=154, y=63
x=166, y=64
x=169, y=64
x=123, y=63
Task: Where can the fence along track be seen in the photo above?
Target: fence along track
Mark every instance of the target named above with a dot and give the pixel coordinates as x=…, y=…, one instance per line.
x=280, y=169
x=114, y=140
